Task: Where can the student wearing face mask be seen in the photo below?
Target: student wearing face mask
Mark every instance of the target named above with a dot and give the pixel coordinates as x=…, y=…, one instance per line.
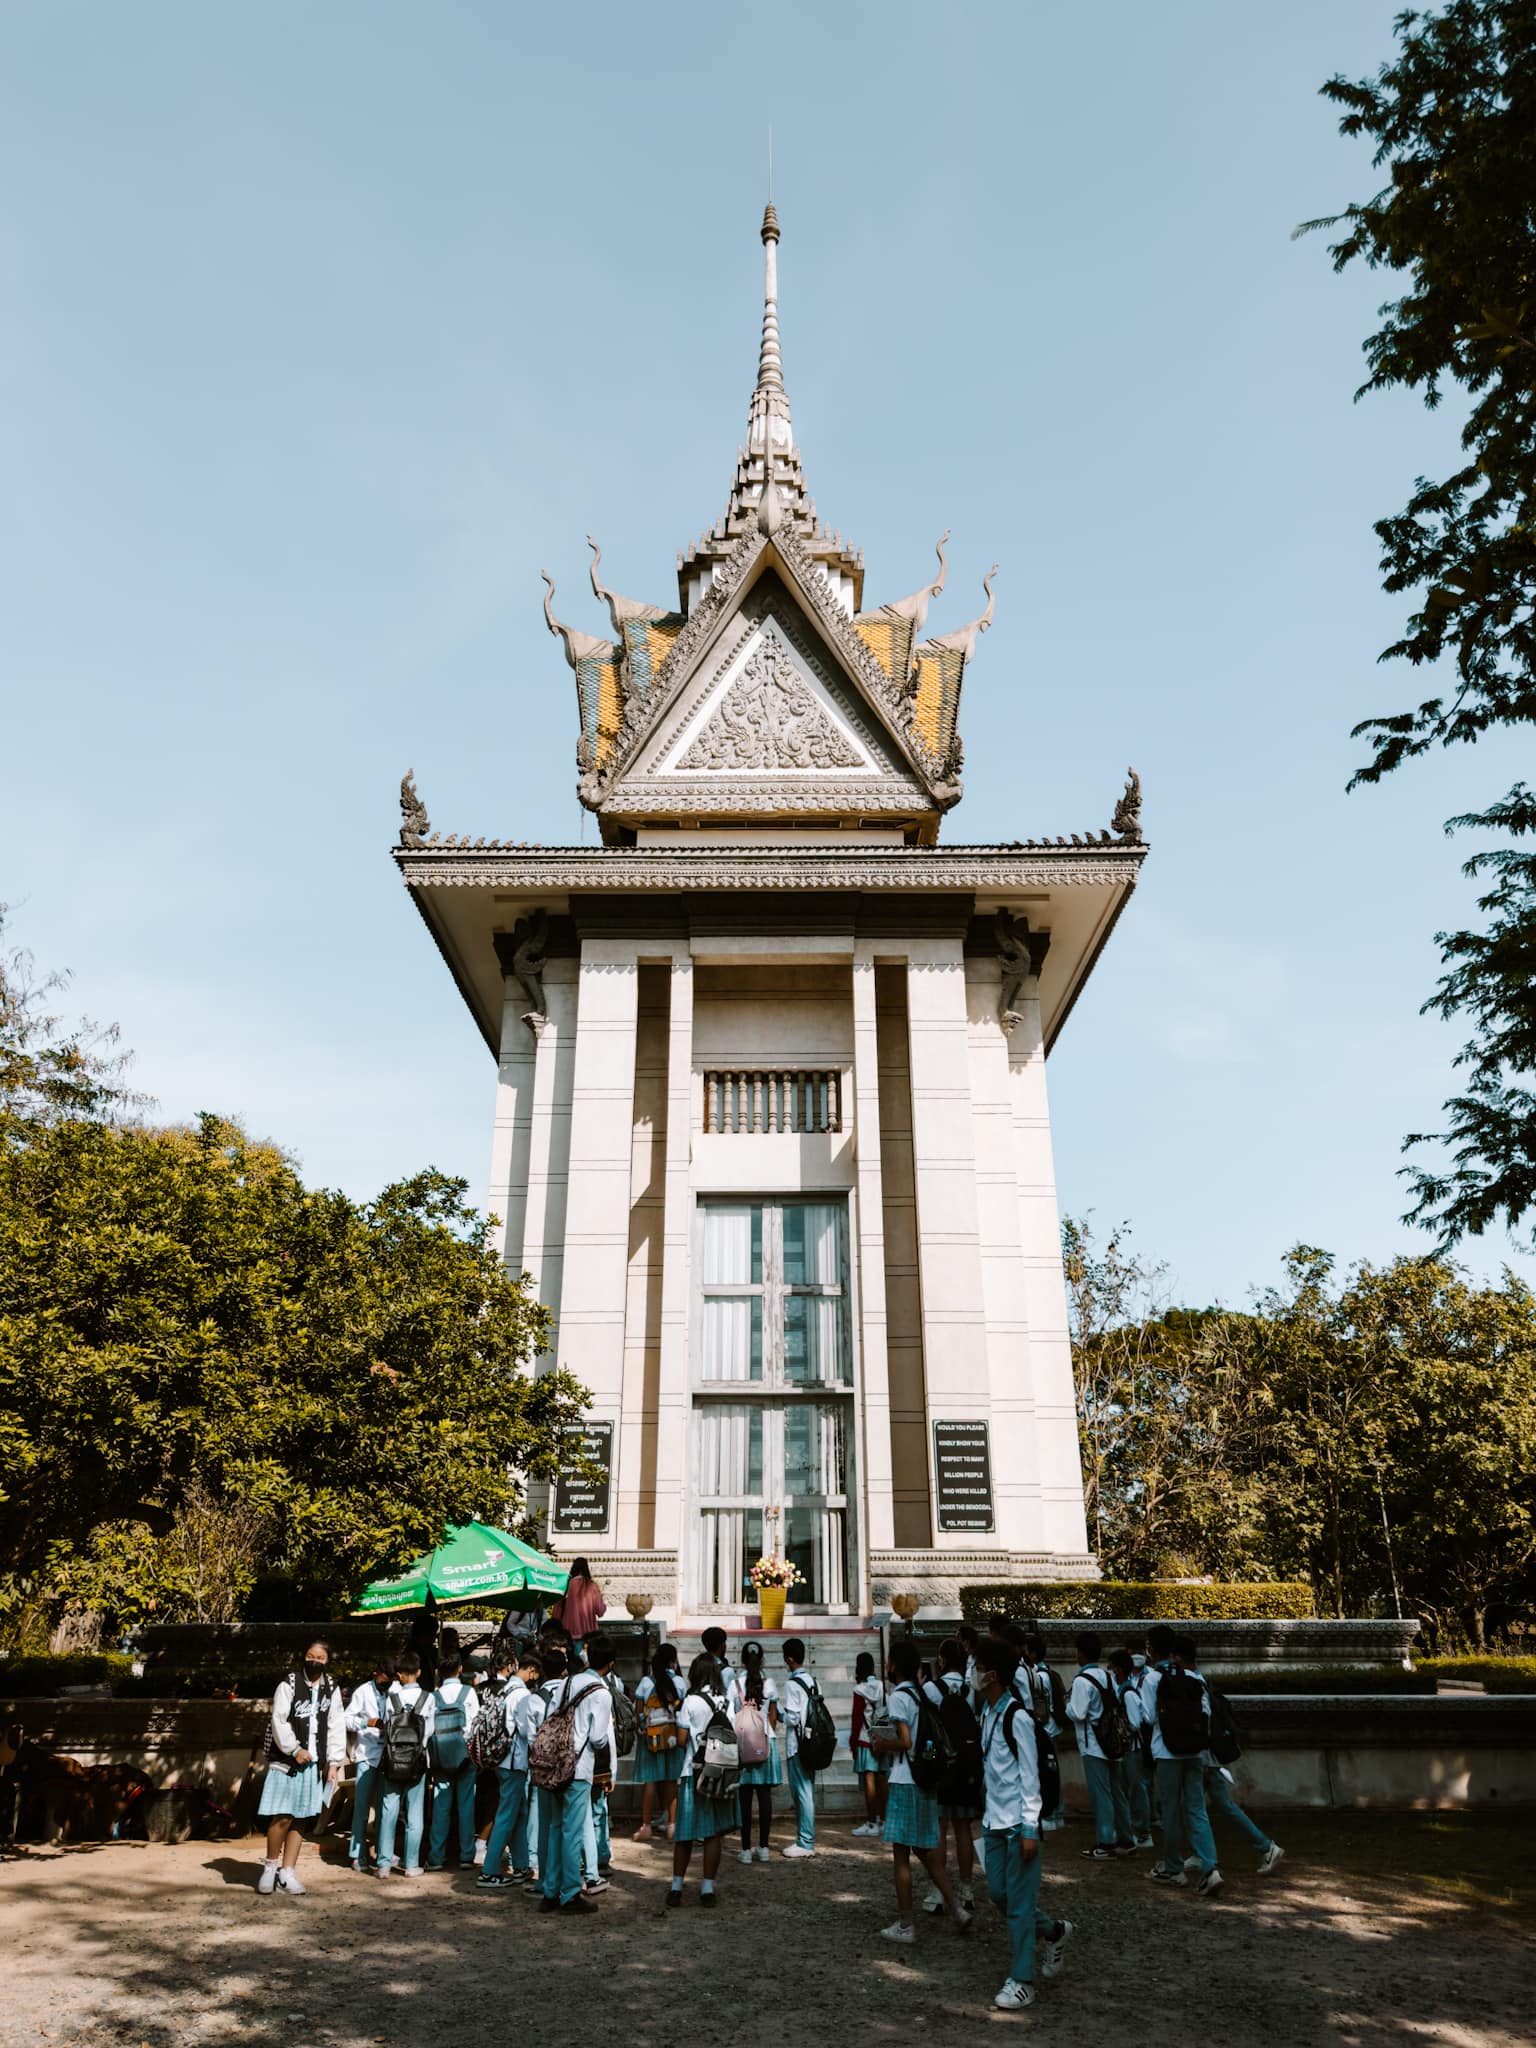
x=308, y=1746
x=365, y=1717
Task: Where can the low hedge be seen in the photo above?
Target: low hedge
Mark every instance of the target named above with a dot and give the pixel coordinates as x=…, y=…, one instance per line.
x=1031, y=1600
x=41, y=1677
x=1321, y=1678
x=1496, y=1674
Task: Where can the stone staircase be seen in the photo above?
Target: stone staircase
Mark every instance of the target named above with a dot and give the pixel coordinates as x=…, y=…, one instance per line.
x=830, y=1655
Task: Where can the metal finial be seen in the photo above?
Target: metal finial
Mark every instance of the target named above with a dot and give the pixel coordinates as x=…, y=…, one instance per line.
x=770, y=229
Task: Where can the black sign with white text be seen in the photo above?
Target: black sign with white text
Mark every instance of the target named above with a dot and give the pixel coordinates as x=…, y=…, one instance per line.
x=962, y=1475
x=581, y=1505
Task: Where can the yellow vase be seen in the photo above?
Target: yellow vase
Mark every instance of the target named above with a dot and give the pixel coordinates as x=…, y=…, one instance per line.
x=770, y=1605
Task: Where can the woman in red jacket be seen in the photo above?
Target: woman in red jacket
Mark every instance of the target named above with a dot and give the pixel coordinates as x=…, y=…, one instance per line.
x=583, y=1606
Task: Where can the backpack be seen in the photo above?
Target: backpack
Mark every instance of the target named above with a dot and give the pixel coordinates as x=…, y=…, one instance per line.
x=716, y=1757
x=490, y=1740
x=960, y=1781
x=1046, y=1765
x=930, y=1754
x=752, y=1735
x=1181, y=1715
x=449, y=1745
x=403, y=1744
x=1113, y=1727
x=552, y=1754
x=660, y=1723
x=1224, y=1744
x=626, y=1725
x=1058, y=1695
x=818, y=1735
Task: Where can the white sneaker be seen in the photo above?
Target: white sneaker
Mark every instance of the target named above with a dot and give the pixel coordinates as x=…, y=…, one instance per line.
x=289, y=1881
x=267, y=1882
x=761, y=1855
x=360, y=1865
x=965, y=1895
x=1193, y=1863
x=934, y=1903
x=1210, y=1884
x=745, y=1856
x=1014, y=1996
x=897, y=1932
x=1272, y=1855
x=413, y=1870
x=1053, y=1953
x=867, y=1828
x=795, y=1852
x=964, y=1916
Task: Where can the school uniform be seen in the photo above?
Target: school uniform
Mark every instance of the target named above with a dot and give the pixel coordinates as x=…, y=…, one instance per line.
x=365, y=1705
x=1033, y=1685
x=730, y=1681
x=771, y=1770
x=1134, y=1768
x=1011, y=1815
x=1221, y=1797
x=700, y=1819
x=411, y=1799
x=802, y=1783
x=868, y=1700
x=960, y=1810
x=1106, y=1785
x=911, y=1815
x=597, y=1841
x=656, y=1766
x=509, y=1830
x=453, y=1783
x=563, y=1815
x=307, y=1717
x=1180, y=1788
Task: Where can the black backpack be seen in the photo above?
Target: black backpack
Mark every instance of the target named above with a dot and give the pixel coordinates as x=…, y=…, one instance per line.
x=818, y=1735
x=1113, y=1727
x=1046, y=1765
x=626, y=1723
x=1224, y=1744
x=403, y=1744
x=960, y=1782
x=930, y=1753
x=1181, y=1715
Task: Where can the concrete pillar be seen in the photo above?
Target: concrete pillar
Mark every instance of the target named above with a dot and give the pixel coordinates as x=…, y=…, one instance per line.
x=549, y=1137
x=944, y=1161
x=1064, y=1529
x=507, y=1193
x=676, y=1253
x=590, y=1339
x=875, y=1445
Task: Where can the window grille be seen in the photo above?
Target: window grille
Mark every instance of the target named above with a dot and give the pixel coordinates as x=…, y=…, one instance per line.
x=748, y=1100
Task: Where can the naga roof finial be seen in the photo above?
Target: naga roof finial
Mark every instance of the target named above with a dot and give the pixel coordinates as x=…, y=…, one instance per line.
x=916, y=606
x=964, y=639
x=619, y=608
x=577, y=643
x=414, y=822
x=1126, y=822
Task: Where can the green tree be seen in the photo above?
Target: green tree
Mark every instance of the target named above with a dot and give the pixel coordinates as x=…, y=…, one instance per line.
x=1452, y=118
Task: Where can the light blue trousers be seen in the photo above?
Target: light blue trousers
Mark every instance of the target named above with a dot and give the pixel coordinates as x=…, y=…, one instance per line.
x=1014, y=1887
x=1186, y=1825
x=509, y=1830
x=1106, y=1788
x=450, y=1795
x=1138, y=1792
x=564, y=1817
x=596, y=1844
x=1220, y=1798
x=414, y=1798
x=802, y=1790
x=367, y=1793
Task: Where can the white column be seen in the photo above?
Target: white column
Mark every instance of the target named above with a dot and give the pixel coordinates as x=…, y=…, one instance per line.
x=549, y=1137
x=944, y=1163
x=875, y=1446
x=676, y=1279
x=590, y=1339
x=1064, y=1528
x=1015, y=1461
x=507, y=1193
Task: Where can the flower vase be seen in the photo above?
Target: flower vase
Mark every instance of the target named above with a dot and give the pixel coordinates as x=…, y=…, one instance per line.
x=770, y=1605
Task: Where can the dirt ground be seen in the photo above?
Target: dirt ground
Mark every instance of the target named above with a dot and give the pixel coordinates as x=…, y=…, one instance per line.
x=1397, y=1930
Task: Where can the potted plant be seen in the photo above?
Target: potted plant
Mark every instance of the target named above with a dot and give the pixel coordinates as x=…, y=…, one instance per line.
x=771, y=1579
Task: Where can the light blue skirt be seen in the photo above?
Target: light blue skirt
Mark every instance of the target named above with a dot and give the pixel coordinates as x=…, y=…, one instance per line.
x=769, y=1772
x=865, y=1760
x=911, y=1817
x=700, y=1820
x=656, y=1766
x=299, y=1793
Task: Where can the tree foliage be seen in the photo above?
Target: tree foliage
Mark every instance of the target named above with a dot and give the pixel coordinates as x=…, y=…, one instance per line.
x=1452, y=118
x=211, y=1372
x=1375, y=1435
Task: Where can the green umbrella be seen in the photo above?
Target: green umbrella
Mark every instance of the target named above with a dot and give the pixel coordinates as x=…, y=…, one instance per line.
x=471, y=1563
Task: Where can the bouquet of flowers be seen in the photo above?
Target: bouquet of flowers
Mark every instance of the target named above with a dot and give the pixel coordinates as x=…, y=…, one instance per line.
x=775, y=1571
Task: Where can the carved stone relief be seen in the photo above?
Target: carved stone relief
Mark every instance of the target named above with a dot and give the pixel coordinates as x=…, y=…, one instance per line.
x=769, y=719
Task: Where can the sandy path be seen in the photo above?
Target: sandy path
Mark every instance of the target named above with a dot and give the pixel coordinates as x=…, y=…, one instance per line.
x=135, y=1944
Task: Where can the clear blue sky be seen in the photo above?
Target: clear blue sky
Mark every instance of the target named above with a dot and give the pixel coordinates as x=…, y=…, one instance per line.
x=323, y=329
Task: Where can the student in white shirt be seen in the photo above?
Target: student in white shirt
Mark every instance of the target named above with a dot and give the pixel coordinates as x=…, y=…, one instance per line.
x=1011, y=1823
x=1180, y=1729
x=564, y=1813
x=455, y=1709
x=405, y=1696
x=1135, y=1771
x=308, y=1751
x=509, y=1830
x=1091, y=1692
x=959, y=1817
x=1221, y=1797
x=365, y=1716
x=658, y=1770
x=911, y=1814
x=754, y=1785
x=798, y=1687
x=716, y=1644
x=869, y=1701
x=700, y=1818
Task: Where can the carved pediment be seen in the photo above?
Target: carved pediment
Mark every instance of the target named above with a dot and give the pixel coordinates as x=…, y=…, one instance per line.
x=769, y=720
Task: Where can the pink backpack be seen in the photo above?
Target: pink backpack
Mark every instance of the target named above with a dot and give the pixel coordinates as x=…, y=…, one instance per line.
x=751, y=1736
